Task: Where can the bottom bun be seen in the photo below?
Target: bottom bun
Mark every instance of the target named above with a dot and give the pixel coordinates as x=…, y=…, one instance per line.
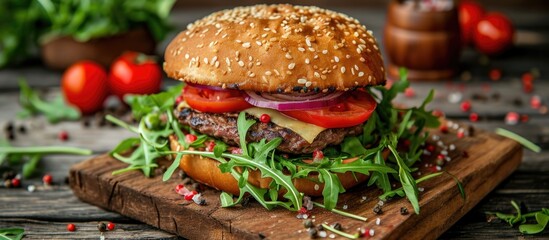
x=206, y=171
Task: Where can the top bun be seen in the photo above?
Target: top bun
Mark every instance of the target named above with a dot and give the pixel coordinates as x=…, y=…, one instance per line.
x=276, y=48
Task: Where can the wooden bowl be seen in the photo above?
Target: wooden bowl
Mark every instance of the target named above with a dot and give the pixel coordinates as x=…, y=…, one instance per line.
x=61, y=52
x=425, y=42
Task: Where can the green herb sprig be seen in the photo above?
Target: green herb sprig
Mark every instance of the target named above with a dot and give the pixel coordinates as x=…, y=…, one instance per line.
x=54, y=111
x=30, y=156
x=541, y=217
x=12, y=233
x=525, y=142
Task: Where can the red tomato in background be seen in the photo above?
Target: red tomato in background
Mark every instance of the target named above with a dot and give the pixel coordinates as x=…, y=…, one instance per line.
x=470, y=13
x=493, y=34
x=134, y=73
x=208, y=100
x=354, y=110
x=84, y=85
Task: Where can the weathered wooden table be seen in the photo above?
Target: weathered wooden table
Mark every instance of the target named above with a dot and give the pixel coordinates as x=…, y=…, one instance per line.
x=45, y=213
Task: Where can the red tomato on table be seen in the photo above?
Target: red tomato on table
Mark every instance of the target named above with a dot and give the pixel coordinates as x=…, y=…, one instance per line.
x=493, y=34
x=84, y=85
x=134, y=73
x=352, y=111
x=216, y=101
x=470, y=13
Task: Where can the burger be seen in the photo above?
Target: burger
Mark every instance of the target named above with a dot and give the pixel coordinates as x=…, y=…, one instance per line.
x=281, y=102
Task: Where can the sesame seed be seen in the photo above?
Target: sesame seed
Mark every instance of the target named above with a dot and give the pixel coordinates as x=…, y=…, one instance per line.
x=268, y=73
x=246, y=45
x=308, y=84
x=324, y=51
x=342, y=69
x=362, y=46
x=241, y=63
x=336, y=59
x=214, y=59
x=307, y=61
x=317, y=74
x=288, y=56
x=362, y=59
x=217, y=64
x=347, y=56
x=206, y=60
x=258, y=43
x=252, y=75
x=308, y=42
x=375, y=47
x=186, y=56
x=302, y=81
x=276, y=72
x=356, y=67
x=370, y=78
x=228, y=61
x=301, y=49
x=360, y=74
x=358, y=50
x=237, y=54
x=291, y=66
x=311, y=49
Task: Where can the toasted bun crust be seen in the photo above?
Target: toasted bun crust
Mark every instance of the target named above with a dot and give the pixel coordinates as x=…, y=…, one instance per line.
x=206, y=171
x=281, y=48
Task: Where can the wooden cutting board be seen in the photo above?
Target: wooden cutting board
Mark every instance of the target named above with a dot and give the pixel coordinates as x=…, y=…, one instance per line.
x=480, y=162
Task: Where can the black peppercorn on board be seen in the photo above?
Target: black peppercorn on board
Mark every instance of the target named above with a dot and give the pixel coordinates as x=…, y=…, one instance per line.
x=480, y=161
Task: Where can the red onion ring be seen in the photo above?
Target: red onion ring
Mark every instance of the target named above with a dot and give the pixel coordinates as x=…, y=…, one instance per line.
x=286, y=102
x=208, y=87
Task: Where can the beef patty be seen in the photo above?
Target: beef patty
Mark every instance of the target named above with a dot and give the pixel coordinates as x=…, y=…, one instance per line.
x=223, y=126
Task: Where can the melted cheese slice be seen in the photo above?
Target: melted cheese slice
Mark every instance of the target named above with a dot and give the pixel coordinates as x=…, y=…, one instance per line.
x=306, y=130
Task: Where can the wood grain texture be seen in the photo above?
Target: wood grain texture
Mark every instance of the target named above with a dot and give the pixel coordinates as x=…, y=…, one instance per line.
x=491, y=159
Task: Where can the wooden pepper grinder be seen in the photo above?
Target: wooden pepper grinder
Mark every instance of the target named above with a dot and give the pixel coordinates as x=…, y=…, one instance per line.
x=423, y=36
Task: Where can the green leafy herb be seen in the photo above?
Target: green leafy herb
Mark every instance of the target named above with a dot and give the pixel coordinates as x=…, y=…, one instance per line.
x=11, y=233
x=343, y=213
x=142, y=105
x=54, y=111
x=30, y=156
x=525, y=142
x=25, y=24
x=541, y=217
x=341, y=233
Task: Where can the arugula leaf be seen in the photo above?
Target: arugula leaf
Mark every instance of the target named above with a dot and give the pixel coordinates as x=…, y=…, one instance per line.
x=332, y=188
x=243, y=125
x=541, y=217
x=54, y=111
x=175, y=164
x=12, y=233
x=352, y=146
x=400, y=191
x=142, y=105
x=407, y=181
x=542, y=220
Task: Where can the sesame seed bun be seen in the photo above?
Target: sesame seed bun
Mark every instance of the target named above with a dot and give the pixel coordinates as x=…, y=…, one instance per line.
x=280, y=48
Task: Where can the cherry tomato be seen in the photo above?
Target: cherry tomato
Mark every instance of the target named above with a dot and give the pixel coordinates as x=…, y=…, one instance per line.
x=470, y=13
x=493, y=34
x=208, y=100
x=352, y=111
x=84, y=85
x=134, y=73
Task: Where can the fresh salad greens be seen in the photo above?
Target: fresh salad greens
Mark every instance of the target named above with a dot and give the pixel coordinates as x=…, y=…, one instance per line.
x=386, y=127
x=11, y=233
x=54, y=111
x=30, y=156
x=541, y=217
x=25, y=23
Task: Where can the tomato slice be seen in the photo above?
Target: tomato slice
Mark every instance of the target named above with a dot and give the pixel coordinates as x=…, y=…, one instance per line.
x=352, y=111
x=214, y=101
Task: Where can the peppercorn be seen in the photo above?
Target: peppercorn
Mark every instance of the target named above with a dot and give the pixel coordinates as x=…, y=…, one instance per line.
x=110, y=226
x=22, y=129
x=308, y=223
x=8, y=175
x=378, y=210
x=313, y=233
x=337, y=226
x=403, y=211
x=71, y=227
x=102, y=227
